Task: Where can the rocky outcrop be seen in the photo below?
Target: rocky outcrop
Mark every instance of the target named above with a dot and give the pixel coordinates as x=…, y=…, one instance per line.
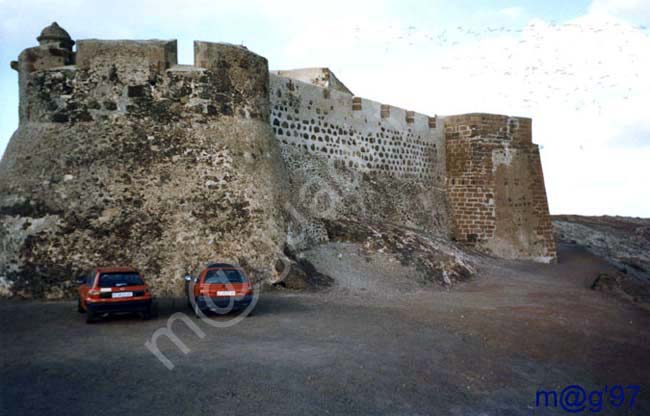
x=624, y=286
x=435, y=259
x=622, y=241
x=300, y=274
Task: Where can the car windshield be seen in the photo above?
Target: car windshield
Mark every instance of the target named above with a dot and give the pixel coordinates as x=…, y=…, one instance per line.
x=224, y=276
x=120, y=279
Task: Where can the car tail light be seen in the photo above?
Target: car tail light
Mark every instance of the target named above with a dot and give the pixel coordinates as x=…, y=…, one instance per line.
x=94, y=294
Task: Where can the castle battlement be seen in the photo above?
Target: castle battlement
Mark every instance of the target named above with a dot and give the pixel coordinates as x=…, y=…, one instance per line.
x=105, y=79
x=353, y=131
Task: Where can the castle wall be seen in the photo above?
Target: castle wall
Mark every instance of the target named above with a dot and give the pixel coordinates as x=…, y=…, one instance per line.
x=124, y=157
x=374, y=161
x=496, y=186
x=357, y=132
x=476, y=177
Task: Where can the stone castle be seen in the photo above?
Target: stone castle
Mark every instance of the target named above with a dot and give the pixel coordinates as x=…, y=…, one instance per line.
x=122, y=156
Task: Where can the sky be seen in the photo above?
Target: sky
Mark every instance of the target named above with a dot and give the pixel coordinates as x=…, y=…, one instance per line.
x=580, y=69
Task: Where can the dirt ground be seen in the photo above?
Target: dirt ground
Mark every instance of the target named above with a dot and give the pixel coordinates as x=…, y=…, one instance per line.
x=371, y=345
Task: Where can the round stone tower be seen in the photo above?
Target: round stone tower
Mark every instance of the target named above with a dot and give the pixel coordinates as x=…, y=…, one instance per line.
x=123, y=157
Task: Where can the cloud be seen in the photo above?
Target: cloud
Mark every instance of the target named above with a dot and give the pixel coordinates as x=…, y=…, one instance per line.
x=633, y=10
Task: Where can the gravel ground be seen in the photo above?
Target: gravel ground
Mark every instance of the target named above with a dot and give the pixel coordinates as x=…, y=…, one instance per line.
x=482, y=348
x=350, y=267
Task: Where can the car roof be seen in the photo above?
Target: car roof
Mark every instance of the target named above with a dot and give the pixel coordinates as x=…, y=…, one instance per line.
x=216, y=265
x=116, y=270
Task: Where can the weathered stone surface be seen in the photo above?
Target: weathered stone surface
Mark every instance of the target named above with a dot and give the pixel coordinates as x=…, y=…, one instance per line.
x=132, y=62
x=240, y=74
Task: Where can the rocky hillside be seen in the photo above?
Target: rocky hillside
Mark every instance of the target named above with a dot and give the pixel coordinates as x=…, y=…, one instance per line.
x=377, y=258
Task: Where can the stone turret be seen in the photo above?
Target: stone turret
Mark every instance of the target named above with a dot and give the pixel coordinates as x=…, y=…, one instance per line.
x=55, y=36
x=54, y=50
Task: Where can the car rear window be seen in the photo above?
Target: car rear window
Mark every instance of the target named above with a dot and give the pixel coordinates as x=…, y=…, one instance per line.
x=224, y=276
x=120, y=279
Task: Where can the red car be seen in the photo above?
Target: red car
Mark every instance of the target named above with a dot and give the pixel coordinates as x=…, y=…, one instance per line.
x=114, y=290
x=220, y=288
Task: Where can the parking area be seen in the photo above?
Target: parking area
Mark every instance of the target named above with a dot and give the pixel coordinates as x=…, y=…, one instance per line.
x=483, y=348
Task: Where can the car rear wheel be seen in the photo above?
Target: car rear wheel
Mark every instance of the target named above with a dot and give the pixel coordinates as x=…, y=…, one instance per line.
x=90, y=317
x=197, y=310
x=80, y=309
x=151, y=312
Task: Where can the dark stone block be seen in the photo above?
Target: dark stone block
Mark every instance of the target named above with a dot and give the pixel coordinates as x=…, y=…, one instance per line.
x=136, y=91
x=83, y=116
x=60, y=118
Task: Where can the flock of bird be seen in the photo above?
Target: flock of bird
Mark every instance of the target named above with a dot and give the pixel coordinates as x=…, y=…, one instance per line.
x=583, y=64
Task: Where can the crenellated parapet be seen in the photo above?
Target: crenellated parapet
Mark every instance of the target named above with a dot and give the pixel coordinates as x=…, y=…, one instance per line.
x=131, y=62
x=356, y=132
x=105, y=79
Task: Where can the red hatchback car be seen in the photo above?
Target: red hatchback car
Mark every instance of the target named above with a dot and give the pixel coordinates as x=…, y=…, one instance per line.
x=220, y=288
x=114, y=290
